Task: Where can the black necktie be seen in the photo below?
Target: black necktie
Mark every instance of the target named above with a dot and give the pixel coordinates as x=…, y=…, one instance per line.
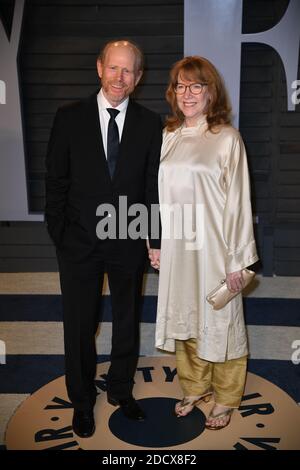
x=112, y=141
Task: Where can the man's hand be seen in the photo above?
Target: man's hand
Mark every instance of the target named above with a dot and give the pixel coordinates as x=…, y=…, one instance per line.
x=154, y=257
x=235, y=281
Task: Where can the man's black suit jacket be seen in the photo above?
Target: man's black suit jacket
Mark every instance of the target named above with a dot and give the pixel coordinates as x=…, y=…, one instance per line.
x=78, y=180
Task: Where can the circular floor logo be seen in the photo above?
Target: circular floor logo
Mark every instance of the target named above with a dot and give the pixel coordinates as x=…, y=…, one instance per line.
x=268, y=418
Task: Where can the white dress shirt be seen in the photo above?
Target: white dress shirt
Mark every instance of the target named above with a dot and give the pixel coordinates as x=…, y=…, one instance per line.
x=104, y=116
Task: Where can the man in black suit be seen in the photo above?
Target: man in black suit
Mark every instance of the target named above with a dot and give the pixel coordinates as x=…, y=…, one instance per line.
x=102, y=148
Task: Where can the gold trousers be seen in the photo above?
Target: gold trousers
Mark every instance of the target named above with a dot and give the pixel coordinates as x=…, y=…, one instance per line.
x=196, y=376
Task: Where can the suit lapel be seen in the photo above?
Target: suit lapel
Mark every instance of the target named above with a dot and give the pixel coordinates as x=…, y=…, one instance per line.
x=93, y=133
x=129, y=137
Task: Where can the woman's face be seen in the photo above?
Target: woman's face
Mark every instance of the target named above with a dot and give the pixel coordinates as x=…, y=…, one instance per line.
x=192, y=105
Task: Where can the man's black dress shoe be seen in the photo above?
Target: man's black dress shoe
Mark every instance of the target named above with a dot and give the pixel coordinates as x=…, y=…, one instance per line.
x=129, y=406
x=83, y=423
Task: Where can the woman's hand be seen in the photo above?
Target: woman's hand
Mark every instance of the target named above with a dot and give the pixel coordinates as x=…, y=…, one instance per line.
x=234, y=281
x=154, y=257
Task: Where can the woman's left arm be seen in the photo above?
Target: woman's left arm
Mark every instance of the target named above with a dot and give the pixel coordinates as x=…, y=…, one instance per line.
x=237, y=217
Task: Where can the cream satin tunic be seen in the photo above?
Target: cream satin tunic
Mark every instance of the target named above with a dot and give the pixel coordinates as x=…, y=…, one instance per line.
x=203, y=176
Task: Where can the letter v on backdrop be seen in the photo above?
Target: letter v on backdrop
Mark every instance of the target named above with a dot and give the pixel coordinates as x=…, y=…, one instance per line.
x=13, y=185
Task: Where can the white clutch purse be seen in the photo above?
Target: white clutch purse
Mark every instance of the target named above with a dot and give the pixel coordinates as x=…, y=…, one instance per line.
x=221, y=295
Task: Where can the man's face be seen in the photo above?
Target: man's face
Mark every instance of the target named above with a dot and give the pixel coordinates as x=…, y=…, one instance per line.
x=118, y=73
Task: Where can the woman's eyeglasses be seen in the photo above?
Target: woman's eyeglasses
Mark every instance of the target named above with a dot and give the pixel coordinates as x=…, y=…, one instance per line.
x=195, y=88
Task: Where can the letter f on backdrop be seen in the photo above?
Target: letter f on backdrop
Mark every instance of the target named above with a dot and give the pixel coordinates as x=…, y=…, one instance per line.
x=213, y=29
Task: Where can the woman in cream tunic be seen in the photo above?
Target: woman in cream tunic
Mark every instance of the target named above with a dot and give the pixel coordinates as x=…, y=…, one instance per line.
x=207, y=236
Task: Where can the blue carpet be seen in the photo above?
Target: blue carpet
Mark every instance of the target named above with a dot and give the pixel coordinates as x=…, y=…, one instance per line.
x=284, y=374
x=25, y=374
x=28, y=373
x=258, y=311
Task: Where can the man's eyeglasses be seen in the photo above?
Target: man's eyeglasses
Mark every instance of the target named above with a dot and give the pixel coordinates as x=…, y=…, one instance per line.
x=195, y=88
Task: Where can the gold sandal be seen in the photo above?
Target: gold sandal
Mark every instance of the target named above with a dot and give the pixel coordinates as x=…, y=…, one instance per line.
x=192, y=402
x=223, y=414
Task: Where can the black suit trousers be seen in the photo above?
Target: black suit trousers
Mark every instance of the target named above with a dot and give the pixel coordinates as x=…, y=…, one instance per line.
x=81, y=286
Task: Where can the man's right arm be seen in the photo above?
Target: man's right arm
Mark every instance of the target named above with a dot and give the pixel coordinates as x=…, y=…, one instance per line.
x=57, y=177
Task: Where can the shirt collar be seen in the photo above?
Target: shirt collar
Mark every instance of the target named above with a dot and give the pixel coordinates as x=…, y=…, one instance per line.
x=103, y=103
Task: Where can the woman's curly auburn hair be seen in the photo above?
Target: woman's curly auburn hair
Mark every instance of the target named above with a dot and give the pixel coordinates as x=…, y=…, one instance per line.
x=200, y=70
